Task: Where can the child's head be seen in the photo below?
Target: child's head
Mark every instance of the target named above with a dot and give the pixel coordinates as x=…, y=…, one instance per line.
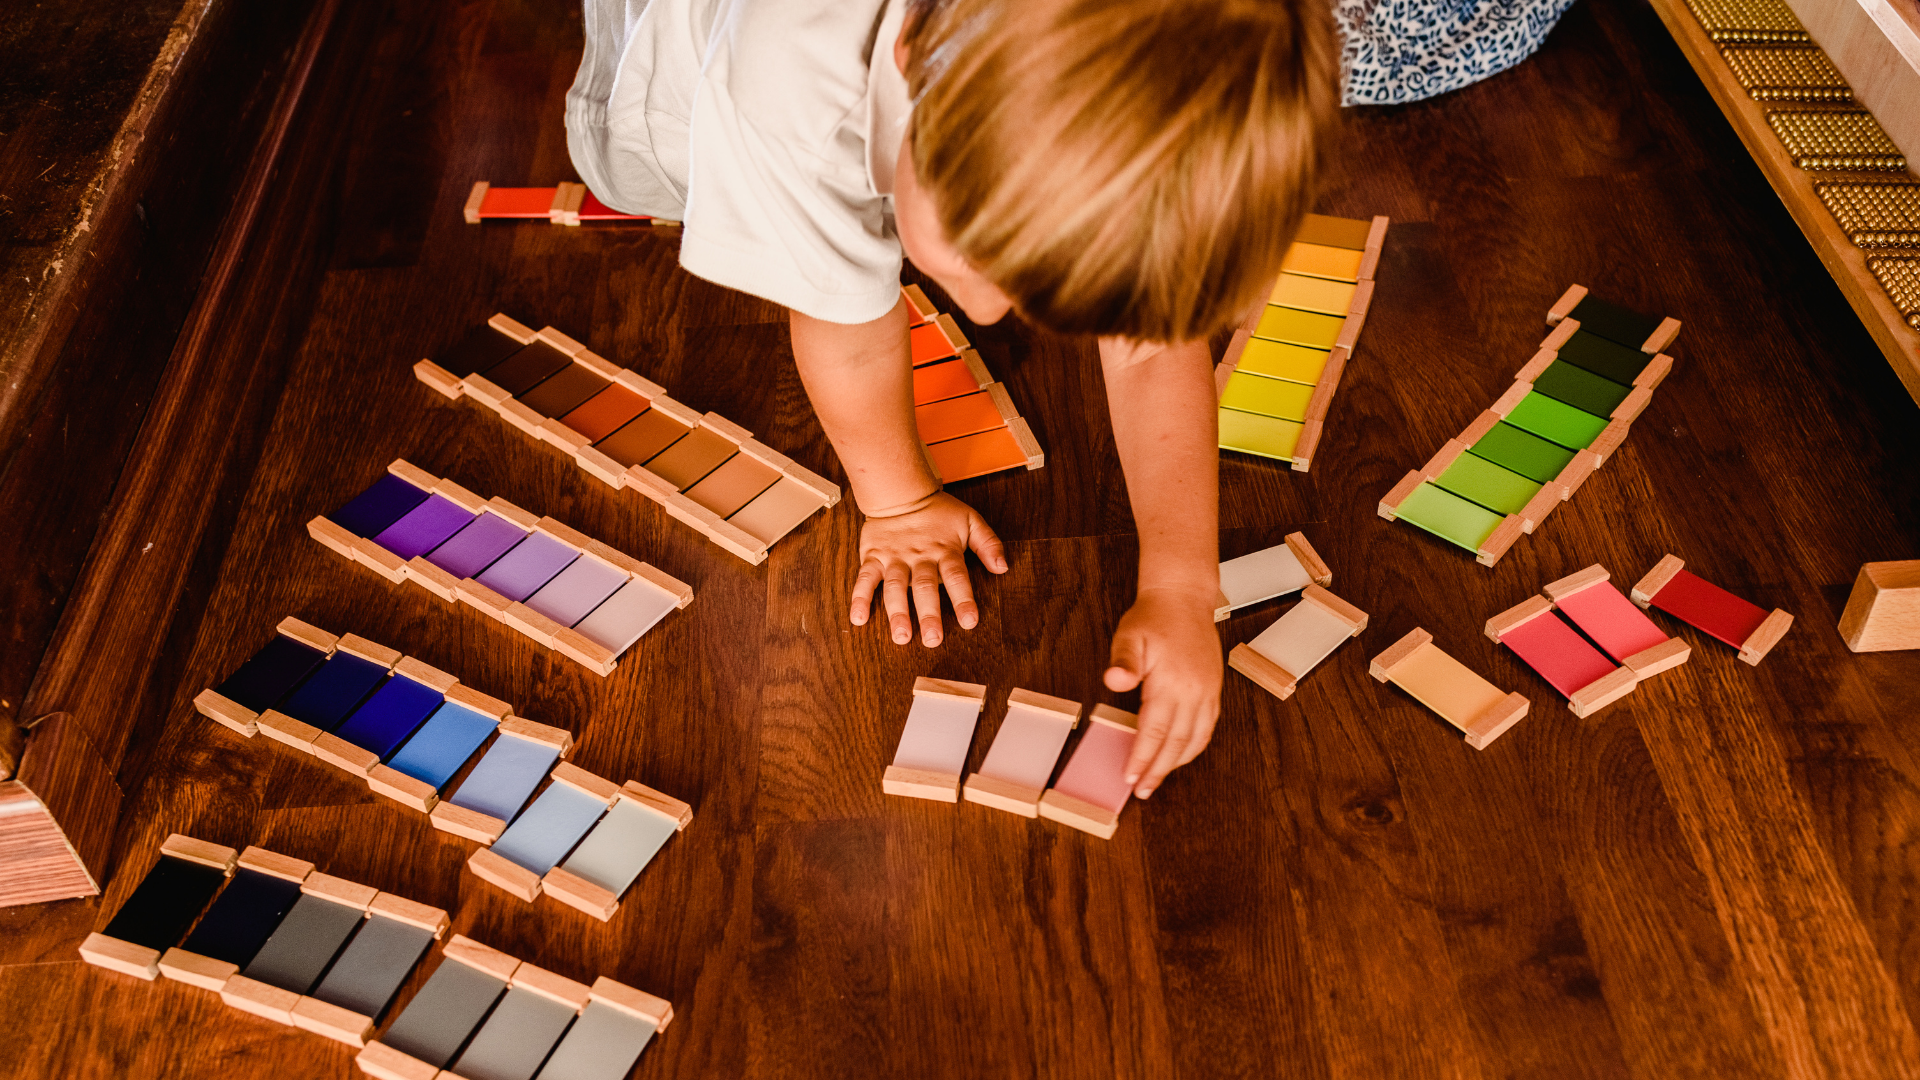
x=1119, y=167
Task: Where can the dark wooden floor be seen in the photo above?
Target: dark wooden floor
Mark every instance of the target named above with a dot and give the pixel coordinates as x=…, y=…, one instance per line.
x=1718, y=877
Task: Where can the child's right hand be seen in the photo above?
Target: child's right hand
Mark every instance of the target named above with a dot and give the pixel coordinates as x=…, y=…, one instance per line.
x=913, y=555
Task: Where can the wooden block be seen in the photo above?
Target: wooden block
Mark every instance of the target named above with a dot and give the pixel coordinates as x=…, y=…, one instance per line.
x=975, y=692
x=195, y=970
x=576, y=777
x=369, y=650
x=1516, y=616
x=1310, y=560
x=432, y=578
x=1610, y=439
x=339, y=890
x=516, y=880
x=485, y=391
x=1574, y=475
x=342, y=754
x=1762, y=640
x=514, y=329
x=1002, y=795
x=1655, y=372
x=919, y=308
x=598, y=364
x=460, y=821
x=473, y=593
x=1562, y=332
x=1653, y=660
x=655, y=1010
x=1336, y=607
x=568, y=440
x=263, y=861
x=975, y=367
x=765, y=454
x=481, y=958
x=1883, y=610
x=735, y=540
x=379, y=560
x=1649, y=586
x=218, y=856
x=653, y=487
x=1502, y=538
x=402, y=788
x=1564, y=306
x=122, y=956
x=1061, y=707
x=1603, y=691
x=1580, y=579
x=1511, y=398
x=551, y=986
x=1322, y=398
x=425, y=674
x=1442, y=459
x=520, y=415
x=383, y=1062
x=1390, y=505
x=341, y=1025
x=467, y=697
x=1541, y=361
x=1493, y=723
x=1349, y=335
x=1369, y=265
x=921, y=784
x=577, y=892
x=1538, y=507
x=1114, y=718
x=725, y=428
x=1079, y=814
x=590, y=654
x=307, y=634
x=1481, y=425
x=679, y=590
x=640, y=384
x=475, y=196
x=438, y=377
x=952, y=331
x=1002, y=404
x=522, y=728
x=459, y=496
x=1632, y=405
x=680, y=813
x=564, y=533
x=602, y=467
x=1381, y=667
x=227, y=712
x=672, y=408
x=1306, y=444
x=333, y=536
x=1270, y=676
x=412, y=474
x=560, y=341
x=1362, y=299
x=531, y=623
x=1022, y=437
x=513, y=513
x=282, y=728
x=399, y=908
x=1662, y=336
x=266, y=1002
x=1377, y=232
x=814, y=482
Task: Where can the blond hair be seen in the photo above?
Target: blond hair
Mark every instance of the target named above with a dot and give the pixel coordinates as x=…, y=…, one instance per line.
x=1125, y=167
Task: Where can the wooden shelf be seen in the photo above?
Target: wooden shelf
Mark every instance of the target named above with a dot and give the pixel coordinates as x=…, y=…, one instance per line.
x=1847, y=264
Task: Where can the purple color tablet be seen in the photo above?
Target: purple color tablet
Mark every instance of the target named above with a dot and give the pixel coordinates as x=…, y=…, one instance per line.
x=424, y=527
x=532, y=563
x=576, y=591
x=475, y=547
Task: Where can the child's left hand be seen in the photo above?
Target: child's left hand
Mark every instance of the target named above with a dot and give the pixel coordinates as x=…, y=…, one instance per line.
x=1166, y=645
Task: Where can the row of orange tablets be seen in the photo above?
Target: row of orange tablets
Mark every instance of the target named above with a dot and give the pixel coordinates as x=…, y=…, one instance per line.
x=966, y=419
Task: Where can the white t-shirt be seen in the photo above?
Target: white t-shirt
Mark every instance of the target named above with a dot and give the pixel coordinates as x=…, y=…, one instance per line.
x=769, y=127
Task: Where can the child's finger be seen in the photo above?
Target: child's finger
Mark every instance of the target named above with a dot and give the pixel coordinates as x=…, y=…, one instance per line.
x=953, y=574
x=1156, y=720
x=1204, y=720
x=1125, y=664
x=895, y=592
x=1168, y=756
x=863, y=586
x=986, y=544
x=926, y=601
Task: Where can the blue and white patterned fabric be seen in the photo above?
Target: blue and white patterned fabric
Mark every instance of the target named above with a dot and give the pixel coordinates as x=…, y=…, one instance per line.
x=1403, y=50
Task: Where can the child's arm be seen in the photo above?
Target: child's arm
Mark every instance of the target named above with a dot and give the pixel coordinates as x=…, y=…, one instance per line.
x=1165, y=426
x=915, y=538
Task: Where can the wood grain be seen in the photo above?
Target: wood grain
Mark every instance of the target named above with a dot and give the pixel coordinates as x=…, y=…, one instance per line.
x=1713, y=878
